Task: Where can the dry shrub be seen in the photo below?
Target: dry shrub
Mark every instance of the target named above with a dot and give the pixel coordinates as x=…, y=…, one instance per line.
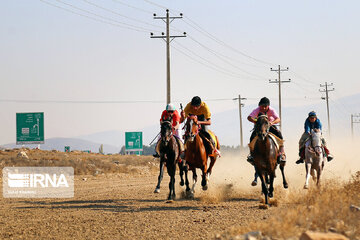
x=83, y=163
x=317, y=209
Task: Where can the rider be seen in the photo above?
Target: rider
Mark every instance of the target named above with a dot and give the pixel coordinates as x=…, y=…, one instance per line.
x=171, y=114
x=311, y=122
x=265, y=109
x=202, y=111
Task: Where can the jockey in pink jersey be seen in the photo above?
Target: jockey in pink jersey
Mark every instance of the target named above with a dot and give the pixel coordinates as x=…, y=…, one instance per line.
x=265, y=109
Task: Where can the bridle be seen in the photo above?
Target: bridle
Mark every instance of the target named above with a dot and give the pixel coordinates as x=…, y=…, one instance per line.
x=165, y=128
x=261, y=120
x=190, y=123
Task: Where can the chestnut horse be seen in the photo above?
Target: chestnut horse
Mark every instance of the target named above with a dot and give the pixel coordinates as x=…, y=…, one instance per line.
x=265, y=155
x=169, y=155
x=197, y=154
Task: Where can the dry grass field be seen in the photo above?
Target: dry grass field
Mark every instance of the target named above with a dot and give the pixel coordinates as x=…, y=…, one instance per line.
x=114, y=199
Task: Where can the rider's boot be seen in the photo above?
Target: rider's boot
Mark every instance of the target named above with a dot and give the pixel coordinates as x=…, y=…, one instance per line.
x=301, y=155
x=329, y=156
x=156, y=154
x=282, y=156
x=250, y=159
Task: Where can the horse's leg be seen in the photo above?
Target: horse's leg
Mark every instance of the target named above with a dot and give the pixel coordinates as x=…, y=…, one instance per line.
x=264, y=187
x=181, y=171
x=308, y=169
x=212, y=162
x=171, y=171
x=271, y=188
x=256, y=175
x=319, y=171
x=267, y=179
x=194, y=180
x=285, y=184
x=157, y=189
x=186, y=170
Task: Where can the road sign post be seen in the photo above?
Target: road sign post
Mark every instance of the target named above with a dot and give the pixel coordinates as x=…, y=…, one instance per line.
x=133, y=142
x=29, y=128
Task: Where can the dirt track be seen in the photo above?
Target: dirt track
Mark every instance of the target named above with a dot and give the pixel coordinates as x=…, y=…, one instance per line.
x=124, y=206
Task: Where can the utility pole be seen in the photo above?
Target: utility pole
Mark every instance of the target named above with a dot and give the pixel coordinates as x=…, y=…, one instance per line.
x=326, y=91
x=240, y=116
x=279, y=70
x=167, y=19
x=355, y=118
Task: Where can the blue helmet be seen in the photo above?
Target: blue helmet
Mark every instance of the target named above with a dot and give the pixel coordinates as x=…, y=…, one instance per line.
x=312, y=114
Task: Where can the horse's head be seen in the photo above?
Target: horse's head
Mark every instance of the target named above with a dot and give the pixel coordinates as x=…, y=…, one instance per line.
x=262, y=126
x=166, y=131
x=192, y=127
x=316, y=142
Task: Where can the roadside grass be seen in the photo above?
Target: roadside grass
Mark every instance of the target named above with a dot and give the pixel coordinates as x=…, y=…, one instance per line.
x=83, y=163
x=324, y=209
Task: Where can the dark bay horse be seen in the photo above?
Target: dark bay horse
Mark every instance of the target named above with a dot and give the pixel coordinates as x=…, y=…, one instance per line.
x=169, y=156
x=265, y=155
x=196, y=155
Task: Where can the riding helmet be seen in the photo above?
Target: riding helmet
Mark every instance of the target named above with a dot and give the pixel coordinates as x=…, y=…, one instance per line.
x=312, y=114
x=170, y=107
x=196, y=101
x=264, y=101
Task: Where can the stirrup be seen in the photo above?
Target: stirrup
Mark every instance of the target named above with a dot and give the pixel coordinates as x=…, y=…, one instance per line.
x=330, y=157
x=156, y=155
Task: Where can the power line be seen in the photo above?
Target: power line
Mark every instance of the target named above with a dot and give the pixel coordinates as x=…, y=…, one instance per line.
x=119, y=14
x=216, y=67
x=98, y=18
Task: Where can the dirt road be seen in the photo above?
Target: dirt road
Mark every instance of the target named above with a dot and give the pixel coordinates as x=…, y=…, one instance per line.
x=123, y=206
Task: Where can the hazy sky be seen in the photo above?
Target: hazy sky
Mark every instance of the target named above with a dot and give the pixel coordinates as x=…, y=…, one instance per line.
x=101, y=51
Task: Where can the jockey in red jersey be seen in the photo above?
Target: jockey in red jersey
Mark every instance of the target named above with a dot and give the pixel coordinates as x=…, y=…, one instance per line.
x=172, y=115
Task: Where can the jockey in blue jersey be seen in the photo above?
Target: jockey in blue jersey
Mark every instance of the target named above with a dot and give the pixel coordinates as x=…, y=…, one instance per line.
x=311, y=122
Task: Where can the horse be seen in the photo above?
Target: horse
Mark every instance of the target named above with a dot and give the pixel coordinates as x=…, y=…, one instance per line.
x=265, y=155
x=169, y=156
x=314, y=157
x=197, y=154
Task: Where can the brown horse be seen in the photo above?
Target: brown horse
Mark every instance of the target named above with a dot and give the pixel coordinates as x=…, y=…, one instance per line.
x=265, y=155
x=196, y=155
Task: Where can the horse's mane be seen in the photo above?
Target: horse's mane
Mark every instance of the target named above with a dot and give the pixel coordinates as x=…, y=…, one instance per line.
x=262, y=119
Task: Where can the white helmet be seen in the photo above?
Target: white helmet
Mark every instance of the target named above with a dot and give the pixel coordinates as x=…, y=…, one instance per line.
x=170, y=107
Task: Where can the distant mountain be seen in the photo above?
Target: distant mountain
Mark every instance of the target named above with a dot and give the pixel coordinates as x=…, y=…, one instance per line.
x=226, y=127
x=75, y=144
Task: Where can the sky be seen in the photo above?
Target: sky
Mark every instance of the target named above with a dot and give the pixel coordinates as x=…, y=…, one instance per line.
x=91, y=65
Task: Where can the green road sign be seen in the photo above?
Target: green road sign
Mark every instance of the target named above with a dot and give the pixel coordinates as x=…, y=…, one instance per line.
x=133, y=141
x=67, y=148
x=30, y=128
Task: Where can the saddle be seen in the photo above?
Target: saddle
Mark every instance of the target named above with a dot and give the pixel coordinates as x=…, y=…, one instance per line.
x=278, y=142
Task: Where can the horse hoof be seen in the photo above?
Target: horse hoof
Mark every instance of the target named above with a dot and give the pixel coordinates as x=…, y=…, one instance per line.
x=205, y=187
x=157, y=190
x=306, y=187
x=182, y=183
x=189, y=195
x=270, y=195
x=170, y=201
x=254, y=183
x=286, y=185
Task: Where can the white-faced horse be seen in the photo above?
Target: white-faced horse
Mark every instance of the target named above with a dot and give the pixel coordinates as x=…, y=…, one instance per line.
x=314, y=157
